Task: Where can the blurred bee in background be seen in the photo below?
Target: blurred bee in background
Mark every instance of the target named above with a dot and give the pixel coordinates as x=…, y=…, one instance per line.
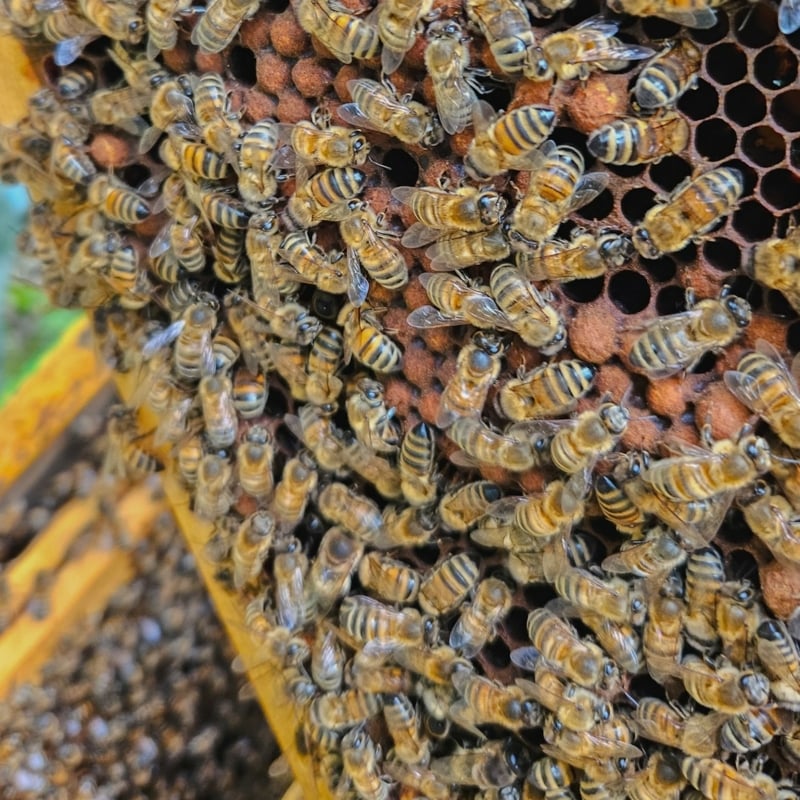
x=213, y=495
x=461, y=508
x=507, y=141
x=585, y=255
x=219, y=414
x=126, y=456
x=344, y=34
x=477, y=368
x=120, y=22
x=365, y=341
x=418, y=778
x=360, y=756
x=377, y=107
x=417, y=465
x=701, y=15
x=478, y=621
x=668, y=76
x=220, y=22
x=373, y=424
x=251, y=545
x=589, y=45
x=77, y=81
x=398, y=23
x=493, y=765
x=121, y=107
x=788, y=16
x=117, y=201
x=676, y=342
x=219, y=125
x=289, y=570
x=773, y=264
x=550, y=390
x=775, y=521
x=692, y=209
x=639, y=141
x=162, y=25
x=506, y=26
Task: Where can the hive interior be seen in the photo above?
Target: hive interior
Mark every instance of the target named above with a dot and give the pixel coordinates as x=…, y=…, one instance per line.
x=744, y=113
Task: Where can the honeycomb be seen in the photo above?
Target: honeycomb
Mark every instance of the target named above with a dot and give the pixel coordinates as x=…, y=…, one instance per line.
x=744, y=112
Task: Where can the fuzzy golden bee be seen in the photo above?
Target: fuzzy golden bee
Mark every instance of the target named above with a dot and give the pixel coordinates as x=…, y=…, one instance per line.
x=344, y=34
x=632, y=140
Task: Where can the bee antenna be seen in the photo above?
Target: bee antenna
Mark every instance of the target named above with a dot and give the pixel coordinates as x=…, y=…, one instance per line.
x=378, y=163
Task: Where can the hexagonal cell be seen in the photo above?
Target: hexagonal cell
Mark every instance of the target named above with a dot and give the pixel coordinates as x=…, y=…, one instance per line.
x=242, y=65
x=671, y=300
x=781, y=189
x=403, y=169
x=629, y=291
x=775, y=67
x=635, y=203
x=661, y=269
x=756, y=26
x=669, y=172
x=586, y=291
x=752, y=221
x=715, y=139
x=726, y=63
x=713, y=34
x=599, y=208
x=745, y=104
x=723, y=254
x=785, y=110
x=764, y=146
x=701, y=103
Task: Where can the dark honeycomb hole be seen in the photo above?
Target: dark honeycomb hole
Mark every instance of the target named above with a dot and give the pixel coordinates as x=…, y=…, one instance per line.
x=135, y=175
x=626, y=170
x=671, y=300
x=786, y=110
x=726, y=63
x=276, y=405
x=635, y=203
x=242, y=64
x=110, y=73
x=745, y=104
x=98, y=48
x=710, y=35
x=274, y=6
x=429, y=554
x=687, y=254
x=775, y=67
x=700, y=103
x=794, y=154
x=669, y=172
x=781, y=188
x=735, y=529
x=755, y=26
x=661, y=269
x=657, y=29
x=793, y=337
x=753, y=221
x=779, y=305
x=402, y=169
x=497, y=654
x=723, y=254
x=705, y=364
x=325, y=305
x=742, y=286
x=715, y=139
x=742, y=565
x=764, y=146
x=562, y=135
x=584, y=291
x=516, y=623
x=599, y=208
x=629, y=291
x=498, y=96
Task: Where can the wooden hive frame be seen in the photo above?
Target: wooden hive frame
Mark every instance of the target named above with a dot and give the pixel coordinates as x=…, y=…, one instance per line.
x=58, y=398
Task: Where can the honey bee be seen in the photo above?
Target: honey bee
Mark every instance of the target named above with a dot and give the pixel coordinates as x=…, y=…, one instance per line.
x=780, y=656
x=467, y=208
x=723, y=687
x=250, y=547
x=716, y=779
x=117, y=201
x=254, y=458
x=298, y=480
x=373, y=424
x=737, y=618
x=639, y=141
x=327, y=661
x=447, y=61
x=228, y=247
x=360, y=756
x=477, y=368
x=417, y=466
x=289, y=570
x=756, y=728
x=126, y=455
x=773, y=263
x=495, y=764
x=220, y=23
x=773, y=519
x=411, y=527
x=506, y=26
x=344, y=34
x=219, y=125
x=589, y=45
x=193, y=355
x=419, y=779
x=482, y=445
x=219, y=413
x=668, y=76
x=119, y=22
x=324, y=196
x=701, y=15
x=479, y=619
x=336, y=560
x=261, y=244
x=257, y=182
x=213, y=494
x=324, y=359
x=377, y=107
x=763, y=383
x=398, y=24
x=459, y=249
x=366, y=620
x=162, y=26
x=341, y=710
x=69, y=31
x=121, y=107
x=365, y=341
x=599, y=752
x=507, y=141
x=557, y=642
x=404, y=728
x=670, y=725
x=614, y=599
x=388, y=579
x=317, y=432
x=357, y=514
x=368, y=246
x=448, y=584
x=558, y=186
x=575, y=707
x=652, y=557
x=660, y=779
x=550, y=390
x=219, y=207
x=171, y=105
x=692, y=209
x=188, y=455
x=677, y=342
x=705, y=575
x=192, y=158
x=461, y=508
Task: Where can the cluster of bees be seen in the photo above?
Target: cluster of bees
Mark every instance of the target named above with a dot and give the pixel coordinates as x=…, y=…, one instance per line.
x=265, y=357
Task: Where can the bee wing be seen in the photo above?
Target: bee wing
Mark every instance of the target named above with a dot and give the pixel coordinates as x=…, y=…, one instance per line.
x=286, y=593
x=391, y=59
x=162, y=338
x=699, y=18
x=451, y=97
x=419, y=235
x=352, y=114
x=595, y=25
x=623, y=52
x=483, y=115
x=500, y=537
x=588, y=187
x=575, y=490
x=431, y=317
x=357, y=284
x=789, y=16
x=526, y=658
x=162, y=241
x=504, y=508
x=66, y=51
x=745, y=389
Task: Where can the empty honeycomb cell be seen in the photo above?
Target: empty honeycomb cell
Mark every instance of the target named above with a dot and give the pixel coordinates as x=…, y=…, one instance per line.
x=775, y=67
x=242, y=65
x=726, y=63
x=670, y=172
x=701, y=103
x=785, y=110
x=756, y=25
x=661, y=269
x=764, y=146
x=722, y=254
x=671, y=300
x=794, y=153
x=715, y=139
x=793, y=337
x=599, y=208
x=740, y=565
x=735, y=529
x=659, y=29
x=779, y=305
x=584, y=291
x=402, y=169
x=635, y=203
x=713, y=34
x=742, y=286
x=626, y=170
x=781, y=189
x=629, y=291
x=745, y=104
